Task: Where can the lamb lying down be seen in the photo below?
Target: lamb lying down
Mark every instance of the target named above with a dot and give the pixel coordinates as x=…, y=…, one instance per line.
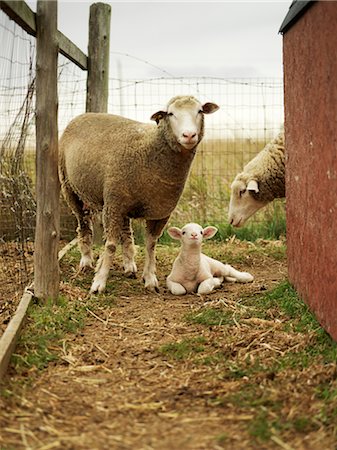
x=193, y=271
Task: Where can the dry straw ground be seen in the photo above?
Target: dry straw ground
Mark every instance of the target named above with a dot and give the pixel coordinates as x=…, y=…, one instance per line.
x=130, y=370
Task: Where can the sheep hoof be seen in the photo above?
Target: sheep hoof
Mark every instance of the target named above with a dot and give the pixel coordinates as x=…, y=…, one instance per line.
x=246, y=277
x=97, y=287
x=176, y=288
x=85, y=264
x=152, y=289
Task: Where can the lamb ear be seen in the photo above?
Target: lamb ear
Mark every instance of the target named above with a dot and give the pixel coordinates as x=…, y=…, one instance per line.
x=209, y=232
x=158, y=116
x=209, y=108
x=253, y=186
x=174, y=233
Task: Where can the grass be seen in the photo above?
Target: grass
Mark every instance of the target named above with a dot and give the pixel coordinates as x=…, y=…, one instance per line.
x=262, y=356
x=270, y=224
x=284, y=303
x=260, y=394
x=184, y=348
x=47, y=325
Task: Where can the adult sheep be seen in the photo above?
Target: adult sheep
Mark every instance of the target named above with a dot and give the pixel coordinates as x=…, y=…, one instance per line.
x=128, y=169
x=262, y=180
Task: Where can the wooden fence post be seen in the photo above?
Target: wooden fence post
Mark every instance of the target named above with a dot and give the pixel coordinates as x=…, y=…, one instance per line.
x=98, y=58
x=98, y=73
x=46, y=266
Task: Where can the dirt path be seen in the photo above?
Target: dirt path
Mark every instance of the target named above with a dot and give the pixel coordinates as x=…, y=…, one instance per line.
x=142, y=374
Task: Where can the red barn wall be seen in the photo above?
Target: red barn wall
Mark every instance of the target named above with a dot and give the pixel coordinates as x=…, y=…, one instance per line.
x=310, y=84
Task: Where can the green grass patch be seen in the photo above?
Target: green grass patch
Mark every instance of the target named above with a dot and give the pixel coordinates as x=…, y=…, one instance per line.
x=47, y=324
x=183, y=349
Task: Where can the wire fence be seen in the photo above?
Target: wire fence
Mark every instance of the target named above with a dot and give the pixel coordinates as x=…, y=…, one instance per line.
x=251, y=112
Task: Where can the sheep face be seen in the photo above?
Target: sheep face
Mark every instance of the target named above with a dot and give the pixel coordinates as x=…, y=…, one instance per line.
x=185, y=116
x=192, y=234
x=243, y=202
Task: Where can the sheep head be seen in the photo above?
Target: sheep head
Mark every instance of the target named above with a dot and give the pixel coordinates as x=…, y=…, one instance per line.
x=192, y=234
x=244, y=201
x=185, y=117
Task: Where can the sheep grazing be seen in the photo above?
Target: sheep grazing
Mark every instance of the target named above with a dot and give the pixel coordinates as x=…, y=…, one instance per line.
x=193, y=271
x=262, y=180
x=128, y=170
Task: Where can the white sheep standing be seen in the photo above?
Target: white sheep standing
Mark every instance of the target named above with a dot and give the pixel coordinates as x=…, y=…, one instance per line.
x=262, y=180
x=193, y=271
x=128, y=169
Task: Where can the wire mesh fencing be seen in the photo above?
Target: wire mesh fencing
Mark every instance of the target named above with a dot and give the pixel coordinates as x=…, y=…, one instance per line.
x=251, y=113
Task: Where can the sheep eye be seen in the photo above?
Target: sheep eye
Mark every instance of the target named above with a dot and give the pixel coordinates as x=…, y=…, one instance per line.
x=184, y=232
x=201, y=232
x=200, y=111
x=242, y=192
x=170, y=114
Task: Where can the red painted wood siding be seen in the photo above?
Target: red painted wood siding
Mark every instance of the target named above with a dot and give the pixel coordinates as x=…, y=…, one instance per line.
x=310, y=77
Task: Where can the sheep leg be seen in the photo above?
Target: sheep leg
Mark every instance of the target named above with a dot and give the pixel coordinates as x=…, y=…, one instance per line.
x=128, y=249
x=113, y=226
x=103, y=268
x=228, y=272
x=84, y=229
x=206, y=286
x=175, y=288
x=154, y=229
x=232, y=274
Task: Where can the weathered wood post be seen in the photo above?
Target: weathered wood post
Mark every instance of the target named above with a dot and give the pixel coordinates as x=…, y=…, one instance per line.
x=46, y=266
x=98, y=58
x=98, y=70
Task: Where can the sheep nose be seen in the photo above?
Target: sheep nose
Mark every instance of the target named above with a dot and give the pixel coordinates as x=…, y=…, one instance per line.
x=194, y=235
x=189, y=135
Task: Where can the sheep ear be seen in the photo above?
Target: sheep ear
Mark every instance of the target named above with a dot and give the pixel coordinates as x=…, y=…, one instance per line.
x=174, y=233
x=158, y=116
x=209, y=232
x=209, y=108
x=253, y=186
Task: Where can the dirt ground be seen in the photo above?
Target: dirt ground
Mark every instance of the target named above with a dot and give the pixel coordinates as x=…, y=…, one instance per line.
x=117, y=384
x=16, y=271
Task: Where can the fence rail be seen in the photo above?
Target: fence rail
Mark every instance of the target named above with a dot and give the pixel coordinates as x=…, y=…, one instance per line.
x=20, y=12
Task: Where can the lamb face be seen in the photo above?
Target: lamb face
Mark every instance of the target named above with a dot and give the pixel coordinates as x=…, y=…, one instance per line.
x=192, y=234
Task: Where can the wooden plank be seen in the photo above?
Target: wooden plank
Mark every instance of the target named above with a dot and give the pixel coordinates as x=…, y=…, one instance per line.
x=12, y=332
x=98, y=58
x=68, y=49
x=47, y=233
x=66, y=248
x=21, y=13
x=98, y=71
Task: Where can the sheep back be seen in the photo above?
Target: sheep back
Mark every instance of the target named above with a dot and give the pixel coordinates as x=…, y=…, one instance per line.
x=268, y=169
x=108, y=158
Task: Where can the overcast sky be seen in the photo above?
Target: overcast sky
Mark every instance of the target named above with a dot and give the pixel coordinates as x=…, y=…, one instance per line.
x=220, y=39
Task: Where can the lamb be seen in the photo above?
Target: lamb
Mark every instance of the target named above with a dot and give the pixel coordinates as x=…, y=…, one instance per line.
x=193, y=271
x=262, y=180
x=128, y=170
